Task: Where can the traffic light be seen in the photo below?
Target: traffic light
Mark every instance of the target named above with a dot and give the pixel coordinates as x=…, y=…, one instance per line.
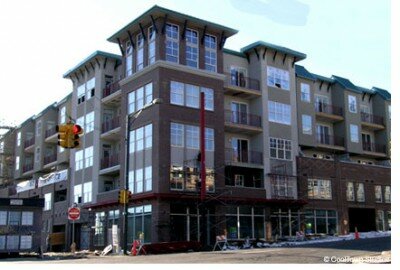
x=63, y=135
x=76, y=130
x=123, y=196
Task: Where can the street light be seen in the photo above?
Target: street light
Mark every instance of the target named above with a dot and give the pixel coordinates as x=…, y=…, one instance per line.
x=128, y=125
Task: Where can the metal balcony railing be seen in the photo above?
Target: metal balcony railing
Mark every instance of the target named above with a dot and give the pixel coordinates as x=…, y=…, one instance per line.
x=374, y=147
x=111, y=89
x=241, y=81
x=327, y=108
x=247, y=119
x=110, y=124
x=253, y=157
x=29, y=142
x=110, y=161
x=50, y=132
x=329, y=139
x=371, y=118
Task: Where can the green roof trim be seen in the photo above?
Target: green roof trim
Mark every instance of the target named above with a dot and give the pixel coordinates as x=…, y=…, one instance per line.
x=366, y=90
x=302, y=72
x=383, y=93
x=323, y=78
x=91, y=57
x=298, y=55
x=171, y=13
x=235, y=53
x=347, y=84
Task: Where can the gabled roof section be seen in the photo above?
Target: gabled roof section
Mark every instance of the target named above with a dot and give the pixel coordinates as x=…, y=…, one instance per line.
x=157, y=11
x=323, y=78
x=347, y=84
x=366, y=90
x=235, y=53
x=297, y=55
x=90, y=58
x=383, y=93
x=302, y=72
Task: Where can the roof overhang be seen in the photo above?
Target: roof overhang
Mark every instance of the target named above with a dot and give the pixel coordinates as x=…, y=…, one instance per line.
x=298, y=56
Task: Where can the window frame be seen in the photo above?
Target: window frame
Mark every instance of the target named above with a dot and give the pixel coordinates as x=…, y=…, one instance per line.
x=303, y=122
x=210, y=50
x=173, y=41
x=195, y=46
x=305, y=92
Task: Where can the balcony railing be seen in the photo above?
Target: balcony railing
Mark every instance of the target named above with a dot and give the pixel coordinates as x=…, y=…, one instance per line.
x=111, y=89
x=371, y=118
x=29, y=142
x=330, y=139
x=27, y=168
x=241, y=81
x=240, y=118
x=110, y=124
x=374, y=147
x=110, y=161
x=49, y=159
x=253, y=157
x=50, y=132
x=329, y=109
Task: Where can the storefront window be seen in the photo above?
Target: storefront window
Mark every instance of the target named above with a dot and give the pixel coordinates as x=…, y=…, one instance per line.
x=139, y=223
x=245, y=221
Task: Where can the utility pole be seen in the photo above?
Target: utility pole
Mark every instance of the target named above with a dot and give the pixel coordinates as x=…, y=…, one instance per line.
x=203, y=209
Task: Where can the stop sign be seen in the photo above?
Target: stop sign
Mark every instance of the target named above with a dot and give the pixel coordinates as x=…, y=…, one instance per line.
x=74, y=213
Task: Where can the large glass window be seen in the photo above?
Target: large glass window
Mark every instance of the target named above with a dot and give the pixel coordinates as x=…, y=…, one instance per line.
x=89, y=120
x=210, y=43
x=208, y=98
x=90, y=88
x=350, y=191
x=360, y=192
x=87, y=192
x=62, y=115
x=176, y=178
x=319, y=189
x=279, y=112
x=3, y=217
x=177, y=134
x=78, y=160
x=78, y=193
x=129, y=59
x=307, y=124
x=192, y=54
x=177, y=93
x=209, y=138
x=139, y=52
x=380, y=220
x=192, y=96
x=192, y=137
x=139, y=223
x=387, y=194
x=12, y=242
x=280, y=148
x=278, y=78
x=140, y=97
x=26, y=242
x=352, y=104
x=27, y=218
x=245, y=221
x=189, y=95
x=14, y=218
x=152, y=45
x=305, y=92
x=172, y=43
x=100, y=229
x=17, y=163
x=354, y=133
x=141, y=138
x=88, y=156
x=378, y=194
x=47, y=201
x=19, y=138
x=2, y=242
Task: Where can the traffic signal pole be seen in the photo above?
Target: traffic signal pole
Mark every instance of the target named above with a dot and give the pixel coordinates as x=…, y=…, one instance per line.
x=203, y=209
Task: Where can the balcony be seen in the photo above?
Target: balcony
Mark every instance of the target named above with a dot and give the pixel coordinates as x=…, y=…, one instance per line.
x=371, y=121
x=51, y=135
x=48, y=159
x=110, y=165
x=374, y=149
x=241, y=86
x=110, y=129
x=328, y=112
x=253, y=159
x=330, y=141
x=28, y=144
x=27, y=168
x=112, y=93
x=242, y=122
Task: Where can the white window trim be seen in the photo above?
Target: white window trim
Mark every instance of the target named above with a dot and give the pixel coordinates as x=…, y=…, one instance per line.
x=174, y=40
x=212, y=50
x=194, y=45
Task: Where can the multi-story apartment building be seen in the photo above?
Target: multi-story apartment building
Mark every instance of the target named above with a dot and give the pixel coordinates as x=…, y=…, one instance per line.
x=7, y=141
x=286, y=149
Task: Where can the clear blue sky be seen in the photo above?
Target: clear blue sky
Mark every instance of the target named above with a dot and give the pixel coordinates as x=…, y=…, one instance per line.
x=41, y=40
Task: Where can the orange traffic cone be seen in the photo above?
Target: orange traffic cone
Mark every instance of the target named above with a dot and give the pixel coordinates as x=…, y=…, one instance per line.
x=356, y=234
x=133, y=250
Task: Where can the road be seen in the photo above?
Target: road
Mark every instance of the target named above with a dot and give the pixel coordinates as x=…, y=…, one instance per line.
x=315, y=253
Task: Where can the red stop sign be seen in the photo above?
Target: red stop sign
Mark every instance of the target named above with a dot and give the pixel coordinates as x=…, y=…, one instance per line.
x=74, y=213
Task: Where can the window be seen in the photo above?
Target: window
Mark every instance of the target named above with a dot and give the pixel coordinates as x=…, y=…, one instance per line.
x=365, y=109
x=239, y=77
x=192, y=137
x=354, y=133
x=192, y=96
x=307, y=124
x=209, y=138
x=89, y=119
x=18, y=138
x=148, y=178
x=282, y=187
x=191, y=48
x=140, y=180
x=352, y=104
x=39, y=128
x=87, y=192
x=78, y=194
x=360, y=192
x=305, y=92
x=63, y=115
x=88, y=156
x=90, y=87
x=47, y=201
x=27, y=218
x=12, y=242
x=176, y=178
x=100, y=229
x=141, y=138
x=387, y=194
x=172, y=43
x=17, y=163
x=3, y=217
x=280, y=148
x=208, y=98
x=245, y=222
x=278, y=78
x=378, y=194
x=380, y=220
x=176, y=134
x=140, y=218
x=129, y=58
x=210, y=43
x=2, y=242
x=81, y=93
x=81, y=121
x=37, y=154
x=139, y=52
x=177, y=90
x=26, y=242
x=239, y=180
x=350, y=192
x=152, y=45
x=390, y=112
x=78, y=160
x=140, y=97
x=14, y=218
x=319, y=189
x=279, y=113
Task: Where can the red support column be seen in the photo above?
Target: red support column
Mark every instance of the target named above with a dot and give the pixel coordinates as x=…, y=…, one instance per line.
x=202, y=147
